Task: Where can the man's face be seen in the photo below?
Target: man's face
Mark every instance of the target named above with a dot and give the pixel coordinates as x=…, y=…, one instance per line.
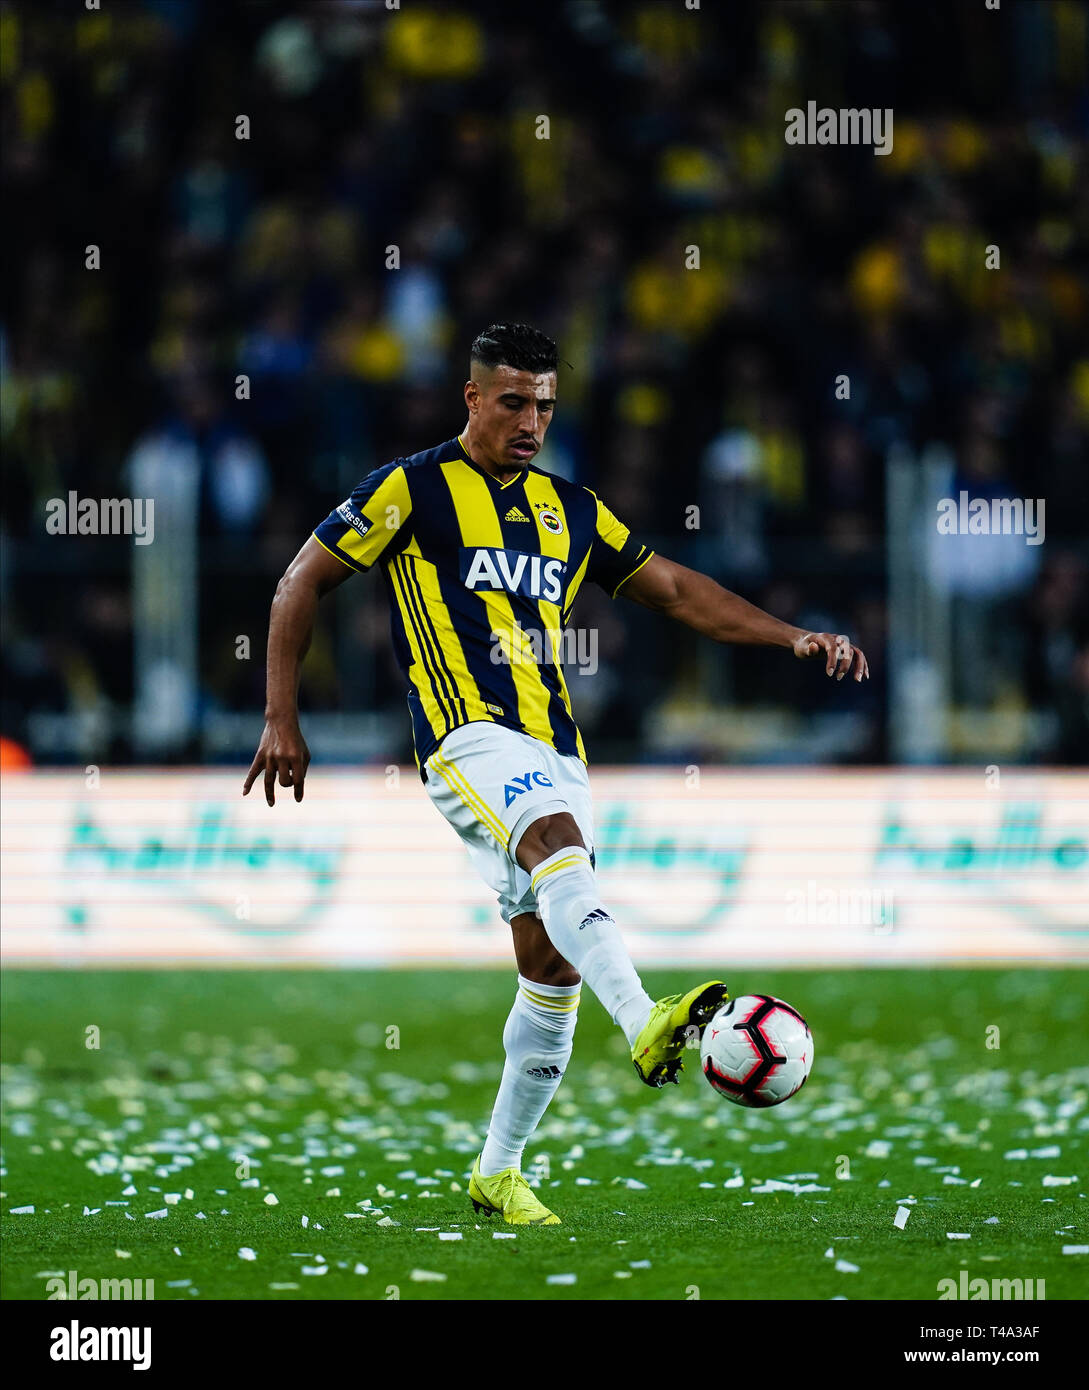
x=510, y=412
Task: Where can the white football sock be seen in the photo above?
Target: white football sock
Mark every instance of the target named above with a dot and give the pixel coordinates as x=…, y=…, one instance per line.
x=538, y=1037
x=585, y=934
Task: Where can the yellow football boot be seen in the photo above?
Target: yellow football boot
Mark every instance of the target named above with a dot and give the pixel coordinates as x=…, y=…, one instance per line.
x=511, y=1196
x=673, y=1022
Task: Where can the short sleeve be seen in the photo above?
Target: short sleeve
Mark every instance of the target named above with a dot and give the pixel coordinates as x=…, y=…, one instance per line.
x=615, y=554
x=373, y=522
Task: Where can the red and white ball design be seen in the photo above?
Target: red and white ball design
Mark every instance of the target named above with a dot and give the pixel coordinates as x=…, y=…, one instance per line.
x=757, y=1050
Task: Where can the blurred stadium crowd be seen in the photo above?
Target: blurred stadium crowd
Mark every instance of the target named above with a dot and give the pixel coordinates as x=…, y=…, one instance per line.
x=711, y=388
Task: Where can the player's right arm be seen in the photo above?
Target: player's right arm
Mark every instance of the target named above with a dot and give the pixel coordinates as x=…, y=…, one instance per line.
x=282, y=753
x=371, y=524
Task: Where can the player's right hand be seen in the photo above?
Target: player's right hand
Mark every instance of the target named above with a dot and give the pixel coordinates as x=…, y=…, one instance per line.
x=282, y=753
x=840, y=657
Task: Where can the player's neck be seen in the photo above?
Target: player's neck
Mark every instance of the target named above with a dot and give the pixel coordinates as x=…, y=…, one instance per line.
x=502, y=471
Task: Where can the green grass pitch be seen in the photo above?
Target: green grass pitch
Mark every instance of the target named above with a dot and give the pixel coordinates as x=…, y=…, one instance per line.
x=360, y=1097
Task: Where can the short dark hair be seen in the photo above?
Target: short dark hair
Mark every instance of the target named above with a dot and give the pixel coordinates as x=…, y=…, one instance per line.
x=515, y=345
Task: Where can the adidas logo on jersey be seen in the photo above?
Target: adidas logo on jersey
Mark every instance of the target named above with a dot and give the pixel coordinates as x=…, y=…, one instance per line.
x=515, y=515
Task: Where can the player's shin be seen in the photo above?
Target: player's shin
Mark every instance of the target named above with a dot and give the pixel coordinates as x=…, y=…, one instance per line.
x=584, y=933
x=537, y=1038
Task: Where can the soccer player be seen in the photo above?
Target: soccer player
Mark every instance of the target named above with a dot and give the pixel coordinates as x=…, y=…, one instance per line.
x=483, y=555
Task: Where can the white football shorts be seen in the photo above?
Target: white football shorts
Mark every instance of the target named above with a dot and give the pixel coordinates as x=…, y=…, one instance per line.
x=491, y=783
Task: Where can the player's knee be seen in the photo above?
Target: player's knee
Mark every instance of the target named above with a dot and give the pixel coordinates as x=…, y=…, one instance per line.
x=546, y=836
x=554, y=970
x=544, y=965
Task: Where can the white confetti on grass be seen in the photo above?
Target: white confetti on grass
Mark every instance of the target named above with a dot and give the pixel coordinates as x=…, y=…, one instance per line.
x=1076, y=1249
x=20, y=1211
x=846, y=1267
x=272, y=1201
x=427, y=1276
x=1050, y=1180
x=361, y=1269
x=247, y=1254
x=314, y=1269
x=504, y=1235
x=456, y=1235
x=562, y=1279
x=775, y=1185
x=901, y=1218
x=958, y=1235
x=155, y=1215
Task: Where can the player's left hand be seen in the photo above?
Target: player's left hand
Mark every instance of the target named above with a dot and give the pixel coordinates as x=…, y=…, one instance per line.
x=840, y=656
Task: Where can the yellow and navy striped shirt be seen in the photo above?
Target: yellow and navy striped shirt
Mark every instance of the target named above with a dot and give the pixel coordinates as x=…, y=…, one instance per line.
x=481, y=577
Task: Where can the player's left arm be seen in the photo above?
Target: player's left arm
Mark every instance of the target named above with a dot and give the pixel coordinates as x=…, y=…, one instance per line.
x=697, y=601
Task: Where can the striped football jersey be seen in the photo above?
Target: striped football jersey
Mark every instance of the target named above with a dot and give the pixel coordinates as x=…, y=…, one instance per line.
x=481, y=576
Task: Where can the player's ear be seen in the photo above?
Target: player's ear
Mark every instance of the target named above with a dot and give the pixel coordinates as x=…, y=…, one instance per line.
x=472, y=395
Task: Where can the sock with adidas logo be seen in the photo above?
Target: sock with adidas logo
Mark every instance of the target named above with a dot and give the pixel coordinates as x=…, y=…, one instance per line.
x=538, y=1037
x=584, y=933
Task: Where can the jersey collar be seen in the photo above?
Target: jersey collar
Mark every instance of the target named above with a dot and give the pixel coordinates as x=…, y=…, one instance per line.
x=467, y=458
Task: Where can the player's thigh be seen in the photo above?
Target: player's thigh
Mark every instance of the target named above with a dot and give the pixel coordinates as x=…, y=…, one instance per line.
x=538, y=960
x=557, y=828
x=547, y=836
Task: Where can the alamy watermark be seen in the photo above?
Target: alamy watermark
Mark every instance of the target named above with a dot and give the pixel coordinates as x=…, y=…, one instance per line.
x=841, y=907
x=827, y=125
x=75, y=1343
x=105, y=516
x=73, y=1287
x=992, y=516
x=556, y=646
x=978, y=1288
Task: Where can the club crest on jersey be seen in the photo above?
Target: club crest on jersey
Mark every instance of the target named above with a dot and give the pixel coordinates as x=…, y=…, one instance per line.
x=550, y=521
x=348, y=513
x=532, y=576
x=517, y=785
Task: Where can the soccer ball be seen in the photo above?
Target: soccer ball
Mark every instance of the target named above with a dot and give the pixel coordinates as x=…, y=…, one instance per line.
x=757, y=1050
